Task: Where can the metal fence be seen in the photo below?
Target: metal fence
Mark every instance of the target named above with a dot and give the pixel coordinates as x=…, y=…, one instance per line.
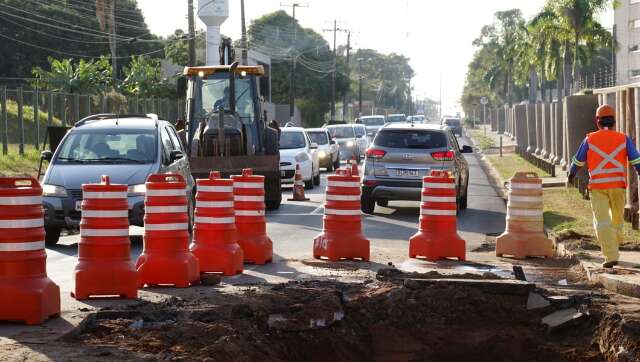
x=19, y=108
x=602, y=78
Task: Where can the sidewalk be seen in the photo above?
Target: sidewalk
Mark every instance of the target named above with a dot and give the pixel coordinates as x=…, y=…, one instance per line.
x=624, y=278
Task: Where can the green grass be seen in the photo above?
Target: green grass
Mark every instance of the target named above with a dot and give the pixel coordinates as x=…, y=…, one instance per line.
x=483, y=142
x=510, y=163
x=565, y=209
x=29, y=126
x=14, y=164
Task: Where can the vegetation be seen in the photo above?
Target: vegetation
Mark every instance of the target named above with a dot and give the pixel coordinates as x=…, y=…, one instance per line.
x=510, y=163
x=15, y=164
x=516, y=60
x=13, y=126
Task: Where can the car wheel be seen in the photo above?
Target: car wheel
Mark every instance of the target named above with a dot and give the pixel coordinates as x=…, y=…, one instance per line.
x=308, y=185
x=336, y=164
x=464, y=202
x=383, y=203
x=316, y=179
x=367, y=205
x=273, y=204
x=330, y=166
x=191, y=213
x=52, y=235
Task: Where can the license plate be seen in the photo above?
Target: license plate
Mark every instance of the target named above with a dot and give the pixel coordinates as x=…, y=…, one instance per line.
x=407, y=173
x=78, y=205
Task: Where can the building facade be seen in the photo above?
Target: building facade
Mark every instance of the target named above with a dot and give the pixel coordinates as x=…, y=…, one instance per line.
x=627, y=32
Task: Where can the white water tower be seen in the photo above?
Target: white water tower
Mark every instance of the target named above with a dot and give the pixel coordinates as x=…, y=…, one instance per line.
x=213, y=13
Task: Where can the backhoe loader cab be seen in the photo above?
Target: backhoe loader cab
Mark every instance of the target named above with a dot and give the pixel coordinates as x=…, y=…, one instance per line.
x=226, y=128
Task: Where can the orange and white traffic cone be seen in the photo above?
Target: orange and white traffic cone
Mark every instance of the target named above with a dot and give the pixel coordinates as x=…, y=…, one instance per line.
x=298, y=187
x=354, y=167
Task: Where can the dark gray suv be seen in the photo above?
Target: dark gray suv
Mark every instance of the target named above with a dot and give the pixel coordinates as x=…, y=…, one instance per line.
x=402, y=154
x=128, y=148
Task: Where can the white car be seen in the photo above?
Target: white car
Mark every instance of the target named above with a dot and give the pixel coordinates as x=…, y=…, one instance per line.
x=328, y=149
x=297, y=149
x=361, y=138
x=373, y=124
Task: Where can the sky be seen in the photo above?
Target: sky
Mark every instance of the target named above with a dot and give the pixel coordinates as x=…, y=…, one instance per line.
x=435, y=35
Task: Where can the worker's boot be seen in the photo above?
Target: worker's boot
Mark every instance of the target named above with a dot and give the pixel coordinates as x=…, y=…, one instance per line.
x=609, y=264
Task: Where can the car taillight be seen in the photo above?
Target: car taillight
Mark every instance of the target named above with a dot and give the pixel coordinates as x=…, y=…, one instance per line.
x=443, y=156
x=375, y=153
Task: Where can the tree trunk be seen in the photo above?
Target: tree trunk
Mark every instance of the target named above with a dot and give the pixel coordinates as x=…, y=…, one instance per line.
x=566, y=70
x=574, y=71
x=533, y=85
x=543, y=88
x=509, y=86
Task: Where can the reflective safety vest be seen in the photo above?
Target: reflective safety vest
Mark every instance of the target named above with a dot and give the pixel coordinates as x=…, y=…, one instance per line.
x=607, y=159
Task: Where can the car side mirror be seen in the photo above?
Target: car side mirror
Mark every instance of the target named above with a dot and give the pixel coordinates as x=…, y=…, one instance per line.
x=46, y=155
x=175, y=155
x=467, y=149
x=332, y=141
x=313, y=146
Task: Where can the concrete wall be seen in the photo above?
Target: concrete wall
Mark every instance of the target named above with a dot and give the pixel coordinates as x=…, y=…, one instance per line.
x=558, y=133
x=520, y=125
x=530, y=110
x=501, y=119
x=494, y=119
x=578, y=121
x=539, y=122
x=546, y=130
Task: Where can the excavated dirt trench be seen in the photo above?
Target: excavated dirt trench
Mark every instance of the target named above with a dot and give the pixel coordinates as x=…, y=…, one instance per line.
x=399, y=317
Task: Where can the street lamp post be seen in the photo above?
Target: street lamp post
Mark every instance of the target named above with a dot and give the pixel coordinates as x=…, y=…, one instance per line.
x=484, y=102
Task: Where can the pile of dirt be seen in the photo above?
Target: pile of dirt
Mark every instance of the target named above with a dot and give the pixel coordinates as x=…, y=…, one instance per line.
x=399, y=317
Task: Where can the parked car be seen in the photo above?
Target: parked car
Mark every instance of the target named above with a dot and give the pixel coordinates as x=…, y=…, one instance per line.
x=372, y=123
x=396, y=118
x=297, y=149
x=127, y=148
x=454, y=124
x=402, y=154
x=328, y=149
x=361, y=138
x=416, y=119
x=346, y=138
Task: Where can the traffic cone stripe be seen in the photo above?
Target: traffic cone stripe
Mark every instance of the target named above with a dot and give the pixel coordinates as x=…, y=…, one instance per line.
x=166, y=192
x=437, y=185
x=215, y=188
x=105, y=213
x=104, y=195
x=533, y=199
x=166, y=227
x=249, y=212
x=22, y=223
x=331, y=183
x=21, y=200
x=215, y=220
x=215, y=204
x=438, y=199
x=433, y=212
x=526, y=186
x=166, y=209
x=524, y=212
x=104, y=232
x=29, y=246
x=343, y=197
x=242, y=198
x=342, y=212
x=248, y=185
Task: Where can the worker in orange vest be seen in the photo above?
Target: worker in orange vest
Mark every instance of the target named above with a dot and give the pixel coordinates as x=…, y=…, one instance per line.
x=606, y=152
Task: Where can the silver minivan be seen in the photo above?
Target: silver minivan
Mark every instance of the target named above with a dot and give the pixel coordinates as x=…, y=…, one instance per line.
x=402, y=154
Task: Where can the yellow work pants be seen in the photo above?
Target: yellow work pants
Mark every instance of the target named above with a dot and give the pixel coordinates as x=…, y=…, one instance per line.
x=608, y=219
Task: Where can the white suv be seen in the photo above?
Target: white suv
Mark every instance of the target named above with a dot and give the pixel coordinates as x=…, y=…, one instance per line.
x=297, y=149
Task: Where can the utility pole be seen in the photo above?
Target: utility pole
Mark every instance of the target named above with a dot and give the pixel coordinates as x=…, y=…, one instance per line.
x=335, y=31
x=292, y=74
x=192, y=34
x=245, y=46
x=113, y=42
x=360, y=86
x=345, y=102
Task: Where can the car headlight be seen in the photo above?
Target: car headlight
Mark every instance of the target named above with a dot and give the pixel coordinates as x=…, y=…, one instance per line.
x=350, y=144
x=302, y=157
x=137, y=190
x=322, y=154
x=53, y=191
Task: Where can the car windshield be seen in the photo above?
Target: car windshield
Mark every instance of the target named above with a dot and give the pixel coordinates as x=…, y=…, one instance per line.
x=452, y=122
x=341, y=132
x=411, y=139
x=292, y=140
x=318, y=137
x=135, y=147
x=396, y=118
x=360, y=130
x=377, y=121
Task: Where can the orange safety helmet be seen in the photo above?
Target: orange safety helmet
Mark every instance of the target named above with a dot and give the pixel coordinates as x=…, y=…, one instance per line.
x=605, y=111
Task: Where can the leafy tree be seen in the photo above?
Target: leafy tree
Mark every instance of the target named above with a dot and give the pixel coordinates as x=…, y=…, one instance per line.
x=144, y=78
x=86, y=76
x=176, y=48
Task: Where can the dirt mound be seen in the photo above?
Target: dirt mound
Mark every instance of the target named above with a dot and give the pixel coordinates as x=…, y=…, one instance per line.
x=396, y=318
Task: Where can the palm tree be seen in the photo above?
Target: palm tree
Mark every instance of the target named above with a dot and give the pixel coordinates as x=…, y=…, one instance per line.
x=106, y=14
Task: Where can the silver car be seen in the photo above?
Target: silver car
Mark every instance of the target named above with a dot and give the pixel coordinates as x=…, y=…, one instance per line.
x=346, y=138
x=402, y=154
